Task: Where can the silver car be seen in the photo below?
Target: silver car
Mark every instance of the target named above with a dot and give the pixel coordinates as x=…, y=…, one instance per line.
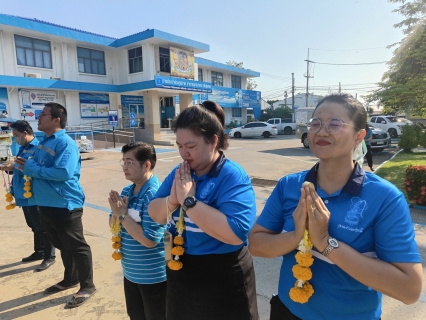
x=254, y=129
x=381, y=140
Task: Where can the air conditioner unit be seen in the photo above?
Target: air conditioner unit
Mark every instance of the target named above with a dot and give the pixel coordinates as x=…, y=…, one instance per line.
x=55, y=78
x=32, y=75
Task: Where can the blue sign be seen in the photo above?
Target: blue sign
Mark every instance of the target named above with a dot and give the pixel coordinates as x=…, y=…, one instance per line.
x=182, y=84
x=231, y=97
x=131, y=99
x=133, y=122
x=177, y=100
x=132, y=115
x=113, y=117
x=296, y=107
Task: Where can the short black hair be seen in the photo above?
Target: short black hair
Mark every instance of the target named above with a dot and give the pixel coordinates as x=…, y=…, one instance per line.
x=143, y=152
x=205, y=122
x=4, y=111
x=22, y=126
x=355, y=109
x=58, y=111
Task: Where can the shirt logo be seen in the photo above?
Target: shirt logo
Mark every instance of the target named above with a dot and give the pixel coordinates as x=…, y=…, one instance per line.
x=206, y=190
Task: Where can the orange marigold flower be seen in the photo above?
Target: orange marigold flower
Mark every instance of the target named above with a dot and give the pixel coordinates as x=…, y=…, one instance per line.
x=178, y=240
x=175, y=265
x=28, y=194
x=117, y=256
x=116, y=245
x=116, y=239
x=178, y=251
x=301, y=295
x=304, y=259
x=302, y=273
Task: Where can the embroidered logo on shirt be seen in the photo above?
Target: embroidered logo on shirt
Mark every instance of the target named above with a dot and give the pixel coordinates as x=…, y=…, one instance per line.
x=354, y=215
x=206, y=190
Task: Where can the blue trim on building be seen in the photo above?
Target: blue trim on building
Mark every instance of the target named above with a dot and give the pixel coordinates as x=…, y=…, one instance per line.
x=66, y=32
x=223, y=66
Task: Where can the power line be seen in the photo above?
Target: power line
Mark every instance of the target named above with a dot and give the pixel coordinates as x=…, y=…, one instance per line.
x=350, y=49
x=350, y=64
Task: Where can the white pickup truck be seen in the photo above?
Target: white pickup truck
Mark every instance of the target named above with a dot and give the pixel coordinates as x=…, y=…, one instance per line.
x=285, y=126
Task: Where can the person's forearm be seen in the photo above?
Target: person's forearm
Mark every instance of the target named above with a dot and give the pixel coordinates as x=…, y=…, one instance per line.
x=136, y=232
x=271, y=245
x=213, y=222
x=158, y=211
x=401, y=281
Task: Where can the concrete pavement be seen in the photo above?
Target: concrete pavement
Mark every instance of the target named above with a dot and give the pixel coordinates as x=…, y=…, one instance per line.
x=21, y=294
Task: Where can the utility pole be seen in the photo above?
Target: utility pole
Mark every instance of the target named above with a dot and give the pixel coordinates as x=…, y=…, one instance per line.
x=285, y=98
x=292, y=97
x=307, y=78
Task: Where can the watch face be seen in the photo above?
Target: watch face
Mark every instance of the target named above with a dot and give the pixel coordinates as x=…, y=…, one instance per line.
x=333, y=242
x=189, y=202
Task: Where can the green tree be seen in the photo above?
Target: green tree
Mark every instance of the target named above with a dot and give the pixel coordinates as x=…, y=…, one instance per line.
x=402, y=86
x=251, y=84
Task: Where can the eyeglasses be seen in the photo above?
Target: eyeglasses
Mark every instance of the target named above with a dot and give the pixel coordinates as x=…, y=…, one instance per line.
x=126, y=163
x=43, y=114
x=333, y=126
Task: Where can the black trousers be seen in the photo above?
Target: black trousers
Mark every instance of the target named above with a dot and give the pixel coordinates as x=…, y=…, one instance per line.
x=145, y=301
x=42, y=244
x=65, y=230
x=369, y=156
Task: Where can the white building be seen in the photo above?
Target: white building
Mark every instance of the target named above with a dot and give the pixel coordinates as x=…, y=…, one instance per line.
x=142, y=77
x=299, y=101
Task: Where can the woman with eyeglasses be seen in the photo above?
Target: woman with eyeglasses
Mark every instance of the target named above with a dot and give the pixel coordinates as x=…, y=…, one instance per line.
x=359, y=225
x=209, y=205
x=142, y=245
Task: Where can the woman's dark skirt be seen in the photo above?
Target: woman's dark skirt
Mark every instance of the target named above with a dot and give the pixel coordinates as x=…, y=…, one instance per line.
x=213, y=287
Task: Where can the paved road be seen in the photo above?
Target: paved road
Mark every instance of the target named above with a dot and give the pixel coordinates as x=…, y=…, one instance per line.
x=21, y=288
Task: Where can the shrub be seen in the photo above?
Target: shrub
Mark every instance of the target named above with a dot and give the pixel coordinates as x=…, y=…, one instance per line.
x=422, y=139
x=415, y=184
x=410, y=137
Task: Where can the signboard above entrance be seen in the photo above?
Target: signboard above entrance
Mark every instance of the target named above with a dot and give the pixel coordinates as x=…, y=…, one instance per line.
x=182, y=84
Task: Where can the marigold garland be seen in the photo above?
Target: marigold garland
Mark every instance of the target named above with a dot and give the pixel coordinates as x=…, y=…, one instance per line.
x=178, y=250
x=9, y=195
x=303, y=290
x=27, y=187
x=116, y=231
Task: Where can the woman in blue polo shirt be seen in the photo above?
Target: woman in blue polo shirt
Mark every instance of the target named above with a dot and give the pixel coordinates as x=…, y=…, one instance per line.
x=142, y=245
x=213, y=199
x=359, y=225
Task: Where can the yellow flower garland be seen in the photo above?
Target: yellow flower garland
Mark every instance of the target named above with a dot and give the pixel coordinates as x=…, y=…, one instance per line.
x=27, y=187
x=116, y=245
x=178, y=250
x=303, y=290
x=9, y=195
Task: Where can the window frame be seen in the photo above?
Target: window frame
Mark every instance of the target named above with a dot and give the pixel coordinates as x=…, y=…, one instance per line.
x=91, y=60
x=166, y=66
x=33, y=53
x=134, y=59
x=215, y=78
x=235, y=84
x=237, y=112
x=200, y=71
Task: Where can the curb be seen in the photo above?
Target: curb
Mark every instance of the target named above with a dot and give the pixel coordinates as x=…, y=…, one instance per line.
x=387, y=160
x=415, y=206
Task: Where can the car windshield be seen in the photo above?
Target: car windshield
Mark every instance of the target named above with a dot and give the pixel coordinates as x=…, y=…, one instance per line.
x=392, y=119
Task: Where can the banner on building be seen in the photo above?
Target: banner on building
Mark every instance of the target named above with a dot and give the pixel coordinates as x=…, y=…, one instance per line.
x=94, y=105
x=231, y=98
x=181, y=63
x=182, y=84
x=33, y=101
x=4, y=101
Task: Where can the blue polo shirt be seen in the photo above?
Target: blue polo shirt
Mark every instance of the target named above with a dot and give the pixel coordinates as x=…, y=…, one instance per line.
x=141, y=264
x=367, y=136
x=55, y=169
x=227, y=188
x=18, y=176
x=369, y=214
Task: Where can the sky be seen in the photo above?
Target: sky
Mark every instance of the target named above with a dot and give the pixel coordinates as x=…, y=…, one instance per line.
x=268, y=36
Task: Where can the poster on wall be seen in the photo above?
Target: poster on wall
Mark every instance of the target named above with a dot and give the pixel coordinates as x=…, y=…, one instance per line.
x=4, y=101
x=94, y=105
x=33, y=101
x=181, y=63
x=231, y=98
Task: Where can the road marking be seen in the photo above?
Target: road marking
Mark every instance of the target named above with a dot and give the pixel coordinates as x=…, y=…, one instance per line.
x=233, y=148
x=96, y=207
x=292, y=158
x=166, y=159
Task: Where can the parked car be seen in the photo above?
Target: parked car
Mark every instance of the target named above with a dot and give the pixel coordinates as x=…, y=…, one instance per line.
x=254, y=129
x=302, y=133
x=285, y=126
x=389, y=124
x=380, y=141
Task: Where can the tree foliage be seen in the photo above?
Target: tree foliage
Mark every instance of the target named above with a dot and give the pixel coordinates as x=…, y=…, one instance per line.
x=251, y=84
x=403, y=86
x=269, y=113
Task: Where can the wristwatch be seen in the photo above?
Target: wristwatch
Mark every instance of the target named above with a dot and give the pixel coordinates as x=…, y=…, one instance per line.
x=332, y=244
x=189, y=203
x=121, y=218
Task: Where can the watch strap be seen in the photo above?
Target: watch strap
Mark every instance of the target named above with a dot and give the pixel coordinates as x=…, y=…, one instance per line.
x=121, y=218
x=330, y=246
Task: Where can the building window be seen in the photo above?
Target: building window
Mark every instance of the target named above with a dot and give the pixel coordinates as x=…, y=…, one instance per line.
x=135, y=60
x=33, y=52
x=236, y=82
x=164, y=60
x=166, y=102
x=237, y=112
x=217, y=79
x=200, y=74
x=91, y=61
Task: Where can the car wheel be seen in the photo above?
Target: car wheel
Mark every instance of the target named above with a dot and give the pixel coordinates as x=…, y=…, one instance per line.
x=266, y=134
x=305, y=141
x=378, y=150
x=237, y=135
x=288, y=130
x=393, y=134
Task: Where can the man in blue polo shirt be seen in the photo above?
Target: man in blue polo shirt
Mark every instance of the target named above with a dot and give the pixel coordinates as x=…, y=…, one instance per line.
x=55, y=169
x=43, y=248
